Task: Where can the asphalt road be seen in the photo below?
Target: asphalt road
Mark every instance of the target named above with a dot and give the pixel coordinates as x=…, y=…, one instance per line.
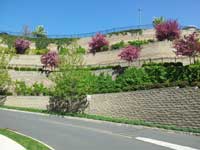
x=79, y=134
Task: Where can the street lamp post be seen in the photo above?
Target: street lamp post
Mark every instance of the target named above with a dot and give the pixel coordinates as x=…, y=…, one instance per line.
x=140, y=16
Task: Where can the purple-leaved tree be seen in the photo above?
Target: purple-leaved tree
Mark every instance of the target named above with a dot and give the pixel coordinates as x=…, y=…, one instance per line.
x=168, y=30
x=97, y=43
x=130, y=53
x=21, y=45
x=50, y=60
x=188, y=45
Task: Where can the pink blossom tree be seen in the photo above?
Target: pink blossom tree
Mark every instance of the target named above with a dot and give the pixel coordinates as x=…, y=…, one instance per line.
x=168, y=30
x=21, y=45
x=188, y=45
x=97, y=43
x=130, y=53
x=51, y=59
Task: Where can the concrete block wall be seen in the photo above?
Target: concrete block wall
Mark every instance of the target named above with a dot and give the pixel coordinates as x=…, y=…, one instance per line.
x=171, y=106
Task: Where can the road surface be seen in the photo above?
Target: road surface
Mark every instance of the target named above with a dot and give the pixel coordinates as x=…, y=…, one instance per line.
x=82, y=134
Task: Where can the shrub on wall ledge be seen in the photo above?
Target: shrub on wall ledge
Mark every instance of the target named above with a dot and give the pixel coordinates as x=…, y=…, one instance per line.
x=50, y=60
x=130, y=53
x=98, y=43
x=188, y=45
x=168, y=30
x=21, y=45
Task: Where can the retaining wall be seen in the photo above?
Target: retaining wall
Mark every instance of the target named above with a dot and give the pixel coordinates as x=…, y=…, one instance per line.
x=180, y=107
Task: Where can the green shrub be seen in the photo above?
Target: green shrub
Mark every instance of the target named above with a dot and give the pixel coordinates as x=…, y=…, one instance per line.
x=37, y=51
x=6, y=50
x=5, y=80
x=156, y=73
x=133, y=76
x=118, y=45
x=103, y=84
x=81, y=50
x=35, y=90
x=22, y=89
x=39, y=89
x=193, y=72
x=138, y=43
x=63, y=50
x=104, y=48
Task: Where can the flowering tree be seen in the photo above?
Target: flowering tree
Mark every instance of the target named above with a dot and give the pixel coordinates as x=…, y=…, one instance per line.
x=97, y=43
x=169, y=30
x=188, y=45
x=21, y=45
x=130, y=53
x=51, y=59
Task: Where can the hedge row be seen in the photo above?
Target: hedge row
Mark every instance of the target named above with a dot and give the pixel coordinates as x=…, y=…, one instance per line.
x=147, y=77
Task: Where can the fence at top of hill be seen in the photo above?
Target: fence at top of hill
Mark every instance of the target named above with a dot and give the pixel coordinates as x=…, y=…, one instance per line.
x=89, y=34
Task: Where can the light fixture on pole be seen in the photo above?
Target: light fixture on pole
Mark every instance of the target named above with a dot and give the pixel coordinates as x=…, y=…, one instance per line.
x=140, y=16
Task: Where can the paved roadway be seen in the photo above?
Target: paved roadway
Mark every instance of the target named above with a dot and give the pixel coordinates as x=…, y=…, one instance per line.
x=82, y=134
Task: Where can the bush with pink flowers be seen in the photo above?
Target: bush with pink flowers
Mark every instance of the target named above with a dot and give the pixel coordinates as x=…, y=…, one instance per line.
x=21, y=45
x=188, y=45
x=168, y=30
x=130, y=53
x=98, y=43
x=50, y=60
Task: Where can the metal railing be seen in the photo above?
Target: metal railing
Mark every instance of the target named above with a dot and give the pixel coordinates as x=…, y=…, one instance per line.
x=89, y=34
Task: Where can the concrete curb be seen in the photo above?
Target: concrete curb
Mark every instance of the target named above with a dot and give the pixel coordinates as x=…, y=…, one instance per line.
x=51, y=148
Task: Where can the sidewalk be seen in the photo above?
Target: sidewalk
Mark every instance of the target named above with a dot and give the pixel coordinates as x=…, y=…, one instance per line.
x=8, y=144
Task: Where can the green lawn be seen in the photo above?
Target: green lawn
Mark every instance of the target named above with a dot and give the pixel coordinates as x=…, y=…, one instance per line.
x=28, y=143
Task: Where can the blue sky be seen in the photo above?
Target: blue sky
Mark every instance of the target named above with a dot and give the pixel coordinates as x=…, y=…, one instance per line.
x=80, y=16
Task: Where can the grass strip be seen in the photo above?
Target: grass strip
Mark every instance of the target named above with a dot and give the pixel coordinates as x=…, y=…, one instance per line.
x=111, y=119
x=26, y=142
